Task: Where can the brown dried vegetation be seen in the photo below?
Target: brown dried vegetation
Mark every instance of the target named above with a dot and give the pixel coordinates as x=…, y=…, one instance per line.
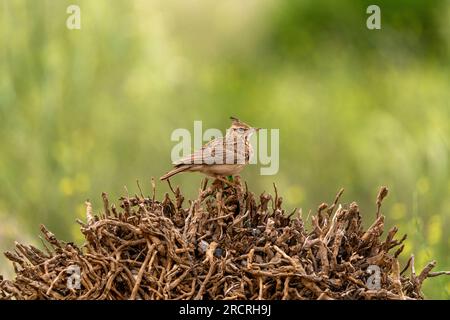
x=226, y=244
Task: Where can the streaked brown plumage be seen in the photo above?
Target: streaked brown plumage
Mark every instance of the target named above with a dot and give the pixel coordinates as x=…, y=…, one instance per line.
x=224, y=156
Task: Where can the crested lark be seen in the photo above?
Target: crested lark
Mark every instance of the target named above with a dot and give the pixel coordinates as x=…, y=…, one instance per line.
x=224, y=156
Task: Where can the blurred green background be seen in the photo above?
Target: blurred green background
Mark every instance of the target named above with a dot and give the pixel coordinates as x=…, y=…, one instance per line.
x=92, y=110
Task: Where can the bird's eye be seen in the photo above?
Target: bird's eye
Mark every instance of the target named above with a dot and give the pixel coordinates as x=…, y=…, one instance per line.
x=241, y=130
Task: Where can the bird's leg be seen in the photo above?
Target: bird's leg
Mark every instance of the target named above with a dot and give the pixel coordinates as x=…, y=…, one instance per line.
x=232, y=184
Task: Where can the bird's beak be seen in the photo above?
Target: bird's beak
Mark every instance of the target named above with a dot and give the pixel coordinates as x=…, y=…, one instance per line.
x=256, y=129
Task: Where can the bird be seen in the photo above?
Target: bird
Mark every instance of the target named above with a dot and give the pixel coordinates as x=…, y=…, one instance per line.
x=220, y=157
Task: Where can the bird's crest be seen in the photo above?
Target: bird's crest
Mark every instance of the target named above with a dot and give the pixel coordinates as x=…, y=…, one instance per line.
x=236, y=123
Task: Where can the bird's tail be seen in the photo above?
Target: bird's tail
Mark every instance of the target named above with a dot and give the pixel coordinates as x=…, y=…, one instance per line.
x=174, y=172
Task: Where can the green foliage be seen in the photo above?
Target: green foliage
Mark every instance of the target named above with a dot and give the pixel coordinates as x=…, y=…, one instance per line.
x=90, y=110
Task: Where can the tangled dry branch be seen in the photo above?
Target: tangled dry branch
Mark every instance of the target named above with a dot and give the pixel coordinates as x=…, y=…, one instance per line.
x=226, y=244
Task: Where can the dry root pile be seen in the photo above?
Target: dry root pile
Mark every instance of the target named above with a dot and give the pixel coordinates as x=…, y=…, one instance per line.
x=227, y=244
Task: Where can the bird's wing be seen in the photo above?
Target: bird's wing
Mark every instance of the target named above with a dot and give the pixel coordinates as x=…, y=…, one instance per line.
x=201, y=156
x=216, y=151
